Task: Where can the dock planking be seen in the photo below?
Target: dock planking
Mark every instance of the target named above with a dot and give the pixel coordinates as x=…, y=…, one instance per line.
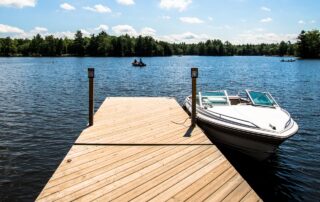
x=143, y=149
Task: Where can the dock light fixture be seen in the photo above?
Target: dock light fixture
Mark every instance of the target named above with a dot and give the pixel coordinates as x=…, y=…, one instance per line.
x=90, y=73
x=194, y=72
x=194, y=76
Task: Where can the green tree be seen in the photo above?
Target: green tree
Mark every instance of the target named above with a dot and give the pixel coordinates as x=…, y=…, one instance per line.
x=9, y=48
x=283, y=48
x=59, y=47
x=35, y=45
x=49, y=46
x=104, y=44
x=308, y=45
x=79, y=44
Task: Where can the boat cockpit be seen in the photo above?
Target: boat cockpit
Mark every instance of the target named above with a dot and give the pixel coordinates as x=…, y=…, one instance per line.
x=209, y=99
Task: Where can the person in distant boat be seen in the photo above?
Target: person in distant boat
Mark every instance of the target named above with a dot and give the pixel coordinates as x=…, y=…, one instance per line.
x=135, y=61
x=141, y=61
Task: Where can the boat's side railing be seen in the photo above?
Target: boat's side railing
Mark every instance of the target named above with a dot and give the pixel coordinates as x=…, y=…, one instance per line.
x=236, y=120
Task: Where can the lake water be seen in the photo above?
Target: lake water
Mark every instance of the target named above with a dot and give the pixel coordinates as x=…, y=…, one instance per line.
x=43, y=108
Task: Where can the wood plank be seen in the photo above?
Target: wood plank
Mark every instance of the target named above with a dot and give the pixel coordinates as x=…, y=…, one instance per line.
x=96, y=154
x=226, y=188
x=132, y=124
x=238, y=193
x=138, y=175
x=165, y=195
x=250, y=197
x=134, y=188
x=112, y=178
x=159, y=188
x=211, y=187
x=129, y=153
x=194, y=189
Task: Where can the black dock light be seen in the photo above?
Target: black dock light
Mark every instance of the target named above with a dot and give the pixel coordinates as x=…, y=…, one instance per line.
x=194, y=76
x=194, y=72
x=90, y=73
x=91, y=105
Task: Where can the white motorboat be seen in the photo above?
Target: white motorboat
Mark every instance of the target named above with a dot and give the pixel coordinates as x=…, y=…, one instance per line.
x=253, y=124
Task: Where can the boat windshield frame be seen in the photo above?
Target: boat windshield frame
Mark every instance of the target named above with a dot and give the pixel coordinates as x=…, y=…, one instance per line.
x=267, y=95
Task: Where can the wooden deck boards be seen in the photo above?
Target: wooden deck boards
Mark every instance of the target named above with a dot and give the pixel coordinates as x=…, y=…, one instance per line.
x=143, y=149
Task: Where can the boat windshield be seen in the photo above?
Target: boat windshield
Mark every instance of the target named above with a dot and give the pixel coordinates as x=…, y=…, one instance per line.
x=212, y=98
x=261, y=98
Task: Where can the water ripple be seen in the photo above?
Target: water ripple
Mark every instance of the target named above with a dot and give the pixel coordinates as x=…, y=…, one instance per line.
x=43, y=108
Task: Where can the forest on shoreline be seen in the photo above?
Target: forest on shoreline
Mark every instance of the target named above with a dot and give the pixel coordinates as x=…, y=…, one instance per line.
x=104, y=45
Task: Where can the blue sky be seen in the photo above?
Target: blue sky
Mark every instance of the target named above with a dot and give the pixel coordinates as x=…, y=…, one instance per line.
x=239, y=21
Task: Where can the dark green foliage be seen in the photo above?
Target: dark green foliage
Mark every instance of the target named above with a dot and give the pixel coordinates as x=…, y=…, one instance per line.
x=8, y=47
x=283, y=48
x=79, y=44
x=308, y=46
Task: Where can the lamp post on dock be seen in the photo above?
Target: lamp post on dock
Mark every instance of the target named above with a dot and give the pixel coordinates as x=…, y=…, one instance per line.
x=91, y=105
x=194, y=76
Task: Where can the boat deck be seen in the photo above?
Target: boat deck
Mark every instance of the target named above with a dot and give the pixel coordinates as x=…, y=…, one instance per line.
x=143, y=149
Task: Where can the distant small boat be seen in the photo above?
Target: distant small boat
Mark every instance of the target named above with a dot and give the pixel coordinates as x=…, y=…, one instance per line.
x=135, y=63
x=289, y=60
x=138, y=64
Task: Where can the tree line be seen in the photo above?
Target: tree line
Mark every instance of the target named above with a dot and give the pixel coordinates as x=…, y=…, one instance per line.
x=102, y=44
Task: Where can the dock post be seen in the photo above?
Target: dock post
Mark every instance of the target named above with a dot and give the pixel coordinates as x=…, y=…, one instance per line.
x=194, y=76
x=91, y=104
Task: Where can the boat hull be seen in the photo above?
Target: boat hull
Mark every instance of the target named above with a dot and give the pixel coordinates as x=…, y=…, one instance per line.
x=138, y=65
x=257, y=147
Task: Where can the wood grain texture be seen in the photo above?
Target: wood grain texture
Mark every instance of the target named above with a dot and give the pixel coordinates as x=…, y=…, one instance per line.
x=141, y=149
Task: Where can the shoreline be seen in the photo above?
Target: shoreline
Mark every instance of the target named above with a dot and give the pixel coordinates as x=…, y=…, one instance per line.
x=75, y=56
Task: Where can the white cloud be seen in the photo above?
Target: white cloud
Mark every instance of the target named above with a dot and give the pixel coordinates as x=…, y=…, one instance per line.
x=265, y=20
x=39, y=29
x=187, y=37
x=126, y=2
x=85, y=32
x=67, y=6
x=191, y=20
x=98, y=8
x=312, y=21
x=301, y=22
x=66, y=34
x=265, y=9
x=124, y=29
x=18, y=3
x=166, y=17
x=102, y=28
x=210, y=18
x=181, y=5
x=257, y=37
x=19, y=33
x=10, y=29
x=148, y=31
x=36, y=30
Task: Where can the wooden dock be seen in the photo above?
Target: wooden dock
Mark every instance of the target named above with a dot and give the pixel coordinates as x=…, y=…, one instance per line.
x=143, y=149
